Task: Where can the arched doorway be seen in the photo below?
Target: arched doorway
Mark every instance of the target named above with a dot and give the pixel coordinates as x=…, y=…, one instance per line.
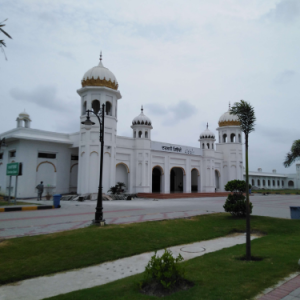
x=217, y=180
x=156, y=180
x=194, y=181
x=73, y=178
x=177, y=184
x=122, y=174
x=291, y=183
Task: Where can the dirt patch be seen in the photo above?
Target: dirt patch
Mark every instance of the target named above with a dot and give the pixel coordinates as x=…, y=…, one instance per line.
x=3, y=243
x=191, y=218
x=253, y=258
x=155, y=289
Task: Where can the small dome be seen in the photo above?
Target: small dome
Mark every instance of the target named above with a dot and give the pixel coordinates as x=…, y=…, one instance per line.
x=229, y=120
x=24, y=115
x=100, y=76
x=207, y=134
x=141, y=119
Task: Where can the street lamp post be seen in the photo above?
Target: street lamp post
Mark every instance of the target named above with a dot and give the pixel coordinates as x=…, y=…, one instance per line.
x=99, y=209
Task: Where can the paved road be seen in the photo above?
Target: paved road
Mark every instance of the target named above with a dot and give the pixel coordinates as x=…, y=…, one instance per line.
x=74, y=214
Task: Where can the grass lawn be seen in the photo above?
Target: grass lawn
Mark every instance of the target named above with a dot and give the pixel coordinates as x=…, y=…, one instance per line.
x=6, y=203
x=216, y=275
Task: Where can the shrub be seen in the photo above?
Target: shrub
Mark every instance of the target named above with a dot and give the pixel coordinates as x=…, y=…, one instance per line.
x=236, y=202
x=117, y=189
x=164, y=271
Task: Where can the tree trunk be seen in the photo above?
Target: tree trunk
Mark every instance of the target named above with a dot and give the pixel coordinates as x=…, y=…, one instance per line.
x=248, y=240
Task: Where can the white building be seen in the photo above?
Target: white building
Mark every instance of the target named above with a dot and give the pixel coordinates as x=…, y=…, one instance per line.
x=274, y=180
x=70, y=162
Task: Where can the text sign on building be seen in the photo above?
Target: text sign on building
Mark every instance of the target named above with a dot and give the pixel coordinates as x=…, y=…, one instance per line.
x=13, y=169
x=175, y=148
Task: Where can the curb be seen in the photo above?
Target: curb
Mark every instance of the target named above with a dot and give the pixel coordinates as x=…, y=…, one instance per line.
x=21, y=208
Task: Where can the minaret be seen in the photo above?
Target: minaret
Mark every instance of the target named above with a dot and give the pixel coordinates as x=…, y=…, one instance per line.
x=207, y=140
x=141, y=132
x=99, y=86
x=230, y=144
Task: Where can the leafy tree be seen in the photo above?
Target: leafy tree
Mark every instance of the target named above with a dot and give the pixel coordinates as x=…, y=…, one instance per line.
x=246, y=115
x=2, y=43
x=293, y=154
x=235, y=202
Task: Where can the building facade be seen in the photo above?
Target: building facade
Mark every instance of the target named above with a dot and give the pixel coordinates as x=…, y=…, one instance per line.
x=71, y=162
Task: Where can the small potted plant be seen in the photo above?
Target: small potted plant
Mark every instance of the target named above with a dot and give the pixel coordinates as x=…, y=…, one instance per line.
x=48, y=192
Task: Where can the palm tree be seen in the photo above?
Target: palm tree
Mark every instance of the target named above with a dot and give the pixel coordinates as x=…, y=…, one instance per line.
x=246, y=115
x=293, y=154
x=2, y=43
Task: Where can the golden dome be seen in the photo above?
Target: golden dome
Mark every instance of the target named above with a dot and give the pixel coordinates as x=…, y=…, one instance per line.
x=229, y=120
x=100, y=76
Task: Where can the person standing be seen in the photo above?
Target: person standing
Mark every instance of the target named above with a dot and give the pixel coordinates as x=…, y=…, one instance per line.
x=40, y=188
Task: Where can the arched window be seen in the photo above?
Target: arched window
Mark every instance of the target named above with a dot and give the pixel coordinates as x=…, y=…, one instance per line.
x=96, y=106
x=264, y=183
x=146, y=134
x=134, y=135
x=225, y=138
x=83, y=108
x=253, y=182
x=203, y=146
x=291, y=183
x=278, y=183
x=207, y=145
x=140, y=134
x=269, y=183
x=273, y=182
x=240, y=138
x=108, y=108
x=258, y=182
x=232, y=138
x=282, y=183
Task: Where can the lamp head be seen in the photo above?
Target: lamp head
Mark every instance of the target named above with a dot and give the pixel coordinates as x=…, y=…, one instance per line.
x=87, y=122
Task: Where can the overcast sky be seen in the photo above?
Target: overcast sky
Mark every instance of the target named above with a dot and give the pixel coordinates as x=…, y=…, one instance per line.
x=184, y=61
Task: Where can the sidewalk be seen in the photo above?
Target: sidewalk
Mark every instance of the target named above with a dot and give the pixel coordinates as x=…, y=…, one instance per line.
x=61, y=283
x=288, y=289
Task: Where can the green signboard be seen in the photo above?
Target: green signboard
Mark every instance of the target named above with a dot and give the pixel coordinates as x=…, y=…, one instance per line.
x=12, y=169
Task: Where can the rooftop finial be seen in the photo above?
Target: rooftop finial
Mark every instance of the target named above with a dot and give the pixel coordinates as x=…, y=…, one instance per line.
x=142, y=109
x=101, y=55
x=207, y=126
x=229, y=105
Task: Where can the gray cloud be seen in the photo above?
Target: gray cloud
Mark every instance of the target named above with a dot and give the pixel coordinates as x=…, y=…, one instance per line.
x=44, y=96
x=285, y=11
x=278, y=134
x=183, y=110
x=285, y=77
x=156, y=109
x=66, y=54
x=172, y=113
